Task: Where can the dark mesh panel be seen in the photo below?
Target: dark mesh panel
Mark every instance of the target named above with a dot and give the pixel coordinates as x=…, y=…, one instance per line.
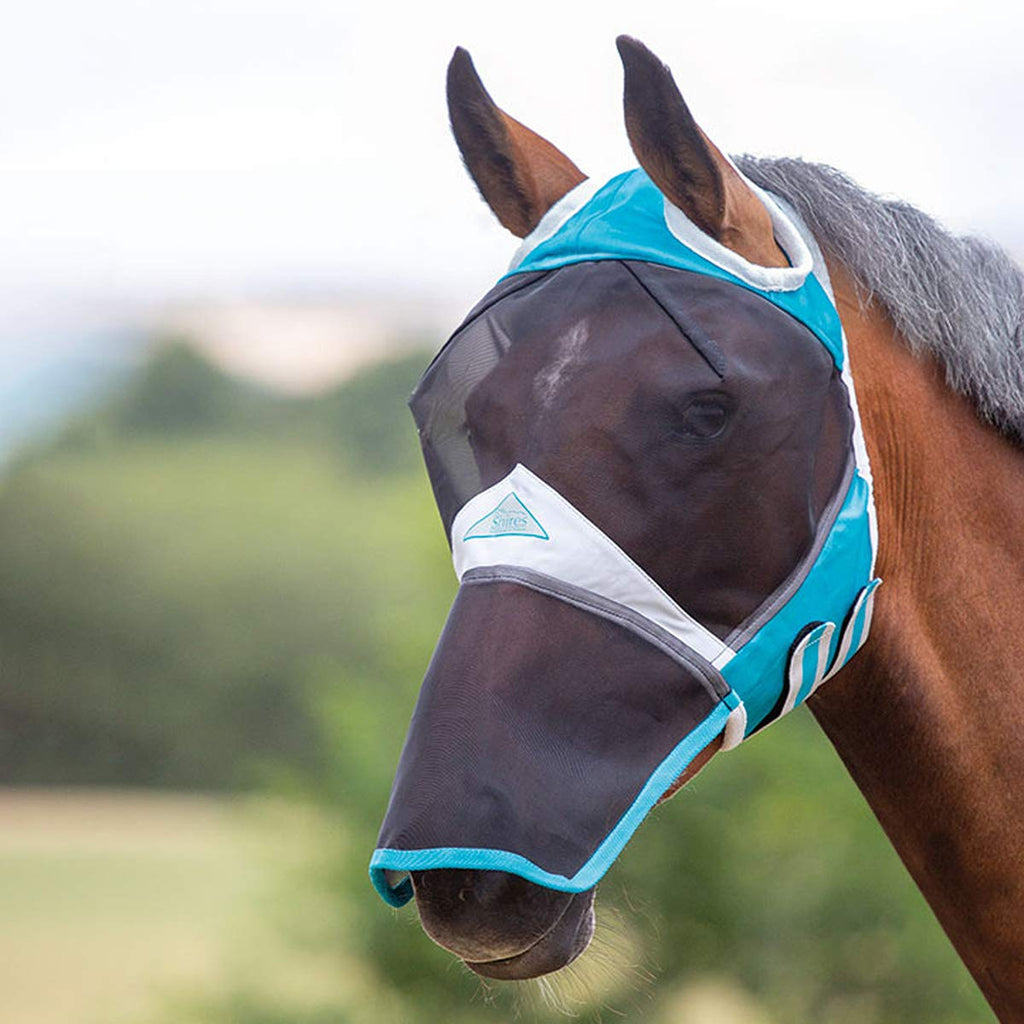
x=439, y=402
x=720, y=523
x=537, y=726
x=439, y=406
x=472, y=353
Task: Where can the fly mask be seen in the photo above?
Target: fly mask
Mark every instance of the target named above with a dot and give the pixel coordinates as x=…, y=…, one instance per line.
x=647, y=456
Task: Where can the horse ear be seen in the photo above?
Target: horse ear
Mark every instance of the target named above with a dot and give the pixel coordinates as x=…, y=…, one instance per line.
x=668, y=143
x=519, y=174
x=685, y=164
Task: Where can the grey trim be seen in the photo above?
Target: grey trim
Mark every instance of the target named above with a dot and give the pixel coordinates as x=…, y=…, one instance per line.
x=588, y=601
x=745, y=630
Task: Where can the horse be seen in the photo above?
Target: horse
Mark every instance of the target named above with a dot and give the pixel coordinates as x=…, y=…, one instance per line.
x=928, y=717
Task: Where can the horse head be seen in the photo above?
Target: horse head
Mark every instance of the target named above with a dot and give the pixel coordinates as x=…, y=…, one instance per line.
x=641, y=444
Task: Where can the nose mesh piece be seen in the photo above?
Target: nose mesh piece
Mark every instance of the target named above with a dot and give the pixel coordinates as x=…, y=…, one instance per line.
x=512, y=748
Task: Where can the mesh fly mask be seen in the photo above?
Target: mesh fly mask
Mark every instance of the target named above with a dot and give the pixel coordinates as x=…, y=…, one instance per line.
x=583, y=667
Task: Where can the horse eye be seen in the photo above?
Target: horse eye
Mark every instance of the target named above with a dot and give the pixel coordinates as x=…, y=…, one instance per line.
x=704, y=418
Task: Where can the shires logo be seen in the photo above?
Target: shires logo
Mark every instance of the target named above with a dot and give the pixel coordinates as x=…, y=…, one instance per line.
x=509, y=518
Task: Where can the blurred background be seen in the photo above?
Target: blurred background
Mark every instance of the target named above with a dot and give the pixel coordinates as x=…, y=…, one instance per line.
x=231, y=235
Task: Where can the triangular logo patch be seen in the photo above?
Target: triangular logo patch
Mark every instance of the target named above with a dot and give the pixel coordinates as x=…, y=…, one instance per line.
x=509, y=518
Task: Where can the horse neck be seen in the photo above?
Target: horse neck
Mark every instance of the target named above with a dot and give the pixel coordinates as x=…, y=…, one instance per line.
x=928, y=718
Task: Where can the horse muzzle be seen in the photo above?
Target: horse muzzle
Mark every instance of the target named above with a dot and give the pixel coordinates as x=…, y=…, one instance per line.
x=500, y=925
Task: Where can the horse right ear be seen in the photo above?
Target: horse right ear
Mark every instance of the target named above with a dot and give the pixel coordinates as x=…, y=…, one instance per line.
x=667, y=141
x=519, y=174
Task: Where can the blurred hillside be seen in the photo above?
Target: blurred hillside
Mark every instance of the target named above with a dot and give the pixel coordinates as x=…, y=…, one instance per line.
x=174, y=561
x=61, y=352
x=204, y=584
x=307, y=344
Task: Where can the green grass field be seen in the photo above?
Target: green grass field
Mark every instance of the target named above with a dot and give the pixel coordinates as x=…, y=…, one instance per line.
x=126, y=907
x=115, y=905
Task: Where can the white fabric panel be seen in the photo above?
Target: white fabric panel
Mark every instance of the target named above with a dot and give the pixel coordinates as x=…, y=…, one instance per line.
x=507, y=524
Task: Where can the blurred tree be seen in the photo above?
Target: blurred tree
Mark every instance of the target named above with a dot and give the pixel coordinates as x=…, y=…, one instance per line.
x=171, y=565
x=368, y=420
x=178, y=391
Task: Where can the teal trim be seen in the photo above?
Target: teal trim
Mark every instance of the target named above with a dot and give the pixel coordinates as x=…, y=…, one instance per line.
x=394, y=896
x=827, y=593
x=625, y=220
x=590, y=874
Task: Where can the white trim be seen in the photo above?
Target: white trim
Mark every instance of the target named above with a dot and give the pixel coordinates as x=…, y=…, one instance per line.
x=770, y=279
x=735, y=727
x=821, y=637
x=846, y=648
x=574, y=551
x=573, y=200
x=860, y=448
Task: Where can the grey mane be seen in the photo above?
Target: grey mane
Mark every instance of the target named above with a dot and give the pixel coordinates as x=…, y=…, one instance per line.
x=959, y=298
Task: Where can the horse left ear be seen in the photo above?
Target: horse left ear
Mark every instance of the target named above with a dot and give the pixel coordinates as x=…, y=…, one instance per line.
x=519, y=174
x=685, y=164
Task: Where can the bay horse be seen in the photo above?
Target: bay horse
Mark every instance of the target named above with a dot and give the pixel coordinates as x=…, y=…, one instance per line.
x=929, y=716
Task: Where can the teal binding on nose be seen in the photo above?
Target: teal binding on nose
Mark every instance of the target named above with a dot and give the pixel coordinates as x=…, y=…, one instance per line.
x=472, y=858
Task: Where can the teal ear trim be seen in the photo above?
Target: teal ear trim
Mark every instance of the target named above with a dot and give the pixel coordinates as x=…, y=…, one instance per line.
x=625, y=220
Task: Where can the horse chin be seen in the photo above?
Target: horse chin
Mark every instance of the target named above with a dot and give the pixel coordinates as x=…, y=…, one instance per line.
x=568, y=938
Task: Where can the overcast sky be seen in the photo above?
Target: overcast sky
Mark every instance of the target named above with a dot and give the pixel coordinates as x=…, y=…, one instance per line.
x=182, y=148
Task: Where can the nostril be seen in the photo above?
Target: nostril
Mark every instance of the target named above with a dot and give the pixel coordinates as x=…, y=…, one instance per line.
x=485, y=915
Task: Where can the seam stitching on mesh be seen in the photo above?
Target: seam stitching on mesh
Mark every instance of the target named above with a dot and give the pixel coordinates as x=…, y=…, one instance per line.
x=712, y=681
